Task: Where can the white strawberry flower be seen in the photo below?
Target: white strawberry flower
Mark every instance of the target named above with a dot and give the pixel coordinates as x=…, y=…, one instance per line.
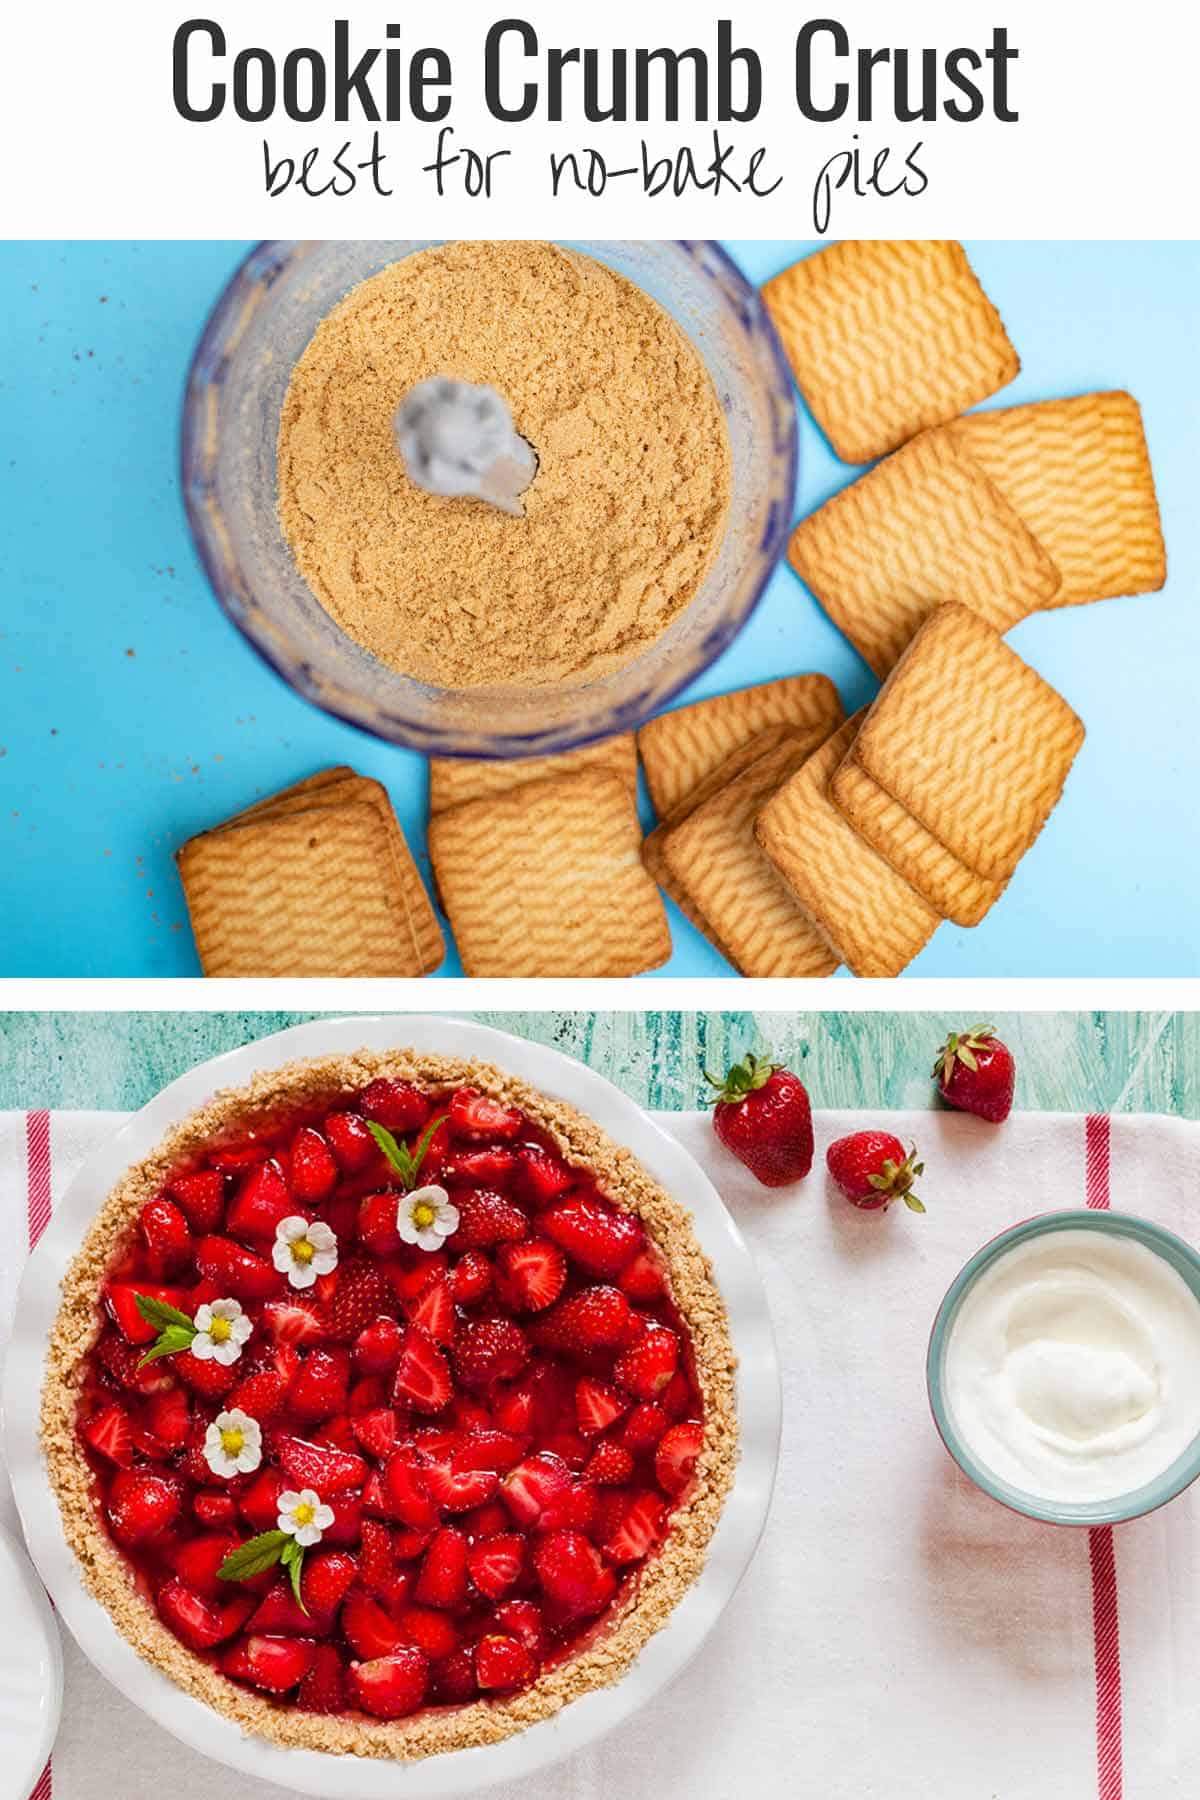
x=233, y=1443
x=221, y=1330
x=304, y=1516
x=304, y=1250
x=425, y=1217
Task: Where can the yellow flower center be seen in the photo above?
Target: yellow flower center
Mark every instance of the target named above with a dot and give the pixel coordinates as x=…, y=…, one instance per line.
x=219, y=1330
x=232, y=1440
x=303, y=1514
x=423, y=1215
x=303, y=1251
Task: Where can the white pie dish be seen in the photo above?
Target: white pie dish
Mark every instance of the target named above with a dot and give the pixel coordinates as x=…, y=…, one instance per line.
x=584, y=1719
x=31, y=1671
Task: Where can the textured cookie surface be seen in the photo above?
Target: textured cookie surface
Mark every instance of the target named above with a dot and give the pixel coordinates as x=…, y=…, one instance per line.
x=925, y=526
x=873, y=920
x=716, y=860
x=971, y=741
x=952, y=889
x=1078, y=473
x=453, y=781
x=886, y=339
x=321, y=890
x=547, y=879
x=679, y=749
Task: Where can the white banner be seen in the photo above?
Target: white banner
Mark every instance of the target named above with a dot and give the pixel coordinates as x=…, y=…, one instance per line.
x=214, y=119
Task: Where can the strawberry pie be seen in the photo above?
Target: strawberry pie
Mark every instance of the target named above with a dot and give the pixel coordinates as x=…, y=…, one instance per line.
x=390, y=1405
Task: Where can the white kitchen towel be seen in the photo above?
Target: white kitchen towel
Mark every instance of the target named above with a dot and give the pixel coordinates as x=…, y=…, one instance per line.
x=897, y=1634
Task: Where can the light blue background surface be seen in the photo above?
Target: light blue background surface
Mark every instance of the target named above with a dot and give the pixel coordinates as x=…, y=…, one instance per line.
x=132, y=714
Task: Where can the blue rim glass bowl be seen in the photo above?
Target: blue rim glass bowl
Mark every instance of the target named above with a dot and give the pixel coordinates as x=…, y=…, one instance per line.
x=1181, y=1473
x=235, y=391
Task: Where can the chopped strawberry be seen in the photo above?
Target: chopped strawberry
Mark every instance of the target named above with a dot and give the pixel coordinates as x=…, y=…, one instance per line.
x=541, y=1176
x=596, y=1237
x=123, y=1363
x=376, y=1559
x=676, y=1397
x=362, y=1294
x=522, y=1619
x=351, y=1142
x=486, y=1218
x=326, y=1579
x=597, y=1405
x=490, y=1350
x=675, y=1458
x=639, y=1531
x=646, y=1368
x=260, y=1502
x=392, y=1686
x=488, y=1449
x=219, y=1512
x=406, y=1490
x=610, y=1465
x=443, y=1577
x=429, y=1629
x=423, y=1374
x=262, y=1200
x=167, y=1238
x=310, y=1465
x=533, y=1485
x=108, y=1433
x=141, y=1505
x=121, y=1299
x=237, y=1271
x=470, y=1278
x=395, y=1104
x=596, y=1318
x=495, y=1563
x=347, y=1519
x=261, y=1395
x=476, y=1115
x=502, y=1664
x=377, y=1348
x=211, y=1379
x=492, y=1168
x=411, y=1272
x=643, y=1280
x=200, y=1196
x=377, y=1431
x=434, y=1310
x=643, y=1428
x=197, y=1621
x=533, y=1274
x=366, y=1627
x=169, y=1416
x=322, y=1386
x=280, y=1612
x=233, y=1159
x=323, y=1689
x=312, y=1171
x=570, y=1572
x=452, y=1681
x=275, y=1664
x=457, y=1491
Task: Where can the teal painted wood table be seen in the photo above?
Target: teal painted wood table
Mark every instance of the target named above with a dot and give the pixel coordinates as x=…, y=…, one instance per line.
x=1066, y=1062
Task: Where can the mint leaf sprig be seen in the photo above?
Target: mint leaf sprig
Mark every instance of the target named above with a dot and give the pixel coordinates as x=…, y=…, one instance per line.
x=406, y=1162
x=263, y=1552
x=175, y=1330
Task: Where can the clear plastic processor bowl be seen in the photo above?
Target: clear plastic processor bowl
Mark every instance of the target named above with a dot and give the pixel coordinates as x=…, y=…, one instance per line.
x=235, y=393
x=1181, y=1473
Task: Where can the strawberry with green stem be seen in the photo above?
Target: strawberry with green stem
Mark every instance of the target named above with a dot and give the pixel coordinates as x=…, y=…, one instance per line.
x=975, y=1072
x=872, y=1168
x=762, y=1114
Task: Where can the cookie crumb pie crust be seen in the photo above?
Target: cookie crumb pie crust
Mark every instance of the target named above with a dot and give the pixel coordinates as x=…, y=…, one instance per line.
x=390, y=1405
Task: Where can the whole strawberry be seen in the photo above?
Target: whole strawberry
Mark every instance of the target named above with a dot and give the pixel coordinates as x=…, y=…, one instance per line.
x=762, y=1115
x=975, y=1072
x=872, y=1168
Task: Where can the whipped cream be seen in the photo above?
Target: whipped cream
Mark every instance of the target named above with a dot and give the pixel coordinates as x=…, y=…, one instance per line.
x=1072, y=1369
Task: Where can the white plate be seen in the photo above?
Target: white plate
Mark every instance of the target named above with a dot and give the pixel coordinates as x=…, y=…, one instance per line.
x=31, y=1675
x=583, y=1720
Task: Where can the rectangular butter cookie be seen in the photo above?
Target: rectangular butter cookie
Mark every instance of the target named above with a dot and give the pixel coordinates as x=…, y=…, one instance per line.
x=971, y=741
x=887, y=339
x=454, y=780
x=925, y=526
x=680, y=748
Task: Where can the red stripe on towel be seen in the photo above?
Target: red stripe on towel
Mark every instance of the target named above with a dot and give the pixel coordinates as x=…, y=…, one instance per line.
x=37, y=1181
x=1106, y=1630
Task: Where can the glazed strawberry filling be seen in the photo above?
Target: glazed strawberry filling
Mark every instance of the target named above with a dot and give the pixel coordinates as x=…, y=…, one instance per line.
x=389, y=1404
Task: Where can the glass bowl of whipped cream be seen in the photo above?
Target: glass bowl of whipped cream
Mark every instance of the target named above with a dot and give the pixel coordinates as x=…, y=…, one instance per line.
x=238, y=384
x=1064, y=1367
